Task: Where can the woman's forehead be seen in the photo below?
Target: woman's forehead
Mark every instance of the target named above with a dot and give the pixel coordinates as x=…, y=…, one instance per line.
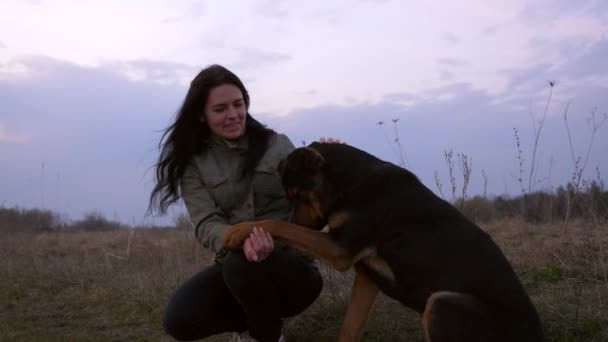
x=224, y=93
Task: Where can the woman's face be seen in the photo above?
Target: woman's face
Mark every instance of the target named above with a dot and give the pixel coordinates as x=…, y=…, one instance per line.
x=225, y=112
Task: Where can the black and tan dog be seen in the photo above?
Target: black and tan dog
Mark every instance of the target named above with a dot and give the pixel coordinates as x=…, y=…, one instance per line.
x=402, y=239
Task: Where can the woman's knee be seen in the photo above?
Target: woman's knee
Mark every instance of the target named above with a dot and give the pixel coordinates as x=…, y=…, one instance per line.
x=194, y=308
x=237, y=269
x=183, y=327
x=176, y=326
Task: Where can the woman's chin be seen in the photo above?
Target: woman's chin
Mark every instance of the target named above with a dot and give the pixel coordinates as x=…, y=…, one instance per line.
x=232, y=135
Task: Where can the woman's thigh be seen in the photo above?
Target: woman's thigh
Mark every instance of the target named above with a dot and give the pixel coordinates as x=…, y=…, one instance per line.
x=285, y=279
x=203, y=306
x=297, y=281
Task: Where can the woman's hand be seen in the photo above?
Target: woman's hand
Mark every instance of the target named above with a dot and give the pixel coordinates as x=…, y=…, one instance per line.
x=330, y=141
x=258, y=245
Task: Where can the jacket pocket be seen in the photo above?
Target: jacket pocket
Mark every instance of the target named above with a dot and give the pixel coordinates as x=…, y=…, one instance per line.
x=220, y=191
x=267, y=181
x=214, y=181
x=267, y=188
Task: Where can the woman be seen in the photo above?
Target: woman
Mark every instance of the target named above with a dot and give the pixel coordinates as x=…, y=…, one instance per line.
x=223, y=164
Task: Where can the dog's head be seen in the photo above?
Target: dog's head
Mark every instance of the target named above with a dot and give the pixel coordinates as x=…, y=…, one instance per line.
x=306, y=186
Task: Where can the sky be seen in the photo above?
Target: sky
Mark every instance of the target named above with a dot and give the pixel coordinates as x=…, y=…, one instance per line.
x=87, y=86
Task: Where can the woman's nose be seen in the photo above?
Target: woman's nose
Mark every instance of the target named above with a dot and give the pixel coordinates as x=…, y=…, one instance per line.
x=231, y=112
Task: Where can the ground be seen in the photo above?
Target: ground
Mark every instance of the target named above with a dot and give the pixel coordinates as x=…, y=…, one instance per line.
x=112, y=286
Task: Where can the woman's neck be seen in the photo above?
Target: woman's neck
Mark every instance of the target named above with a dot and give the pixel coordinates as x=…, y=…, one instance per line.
x=231, y=143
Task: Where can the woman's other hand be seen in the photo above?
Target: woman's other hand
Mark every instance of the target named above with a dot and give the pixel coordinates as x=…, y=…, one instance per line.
x=258, y=245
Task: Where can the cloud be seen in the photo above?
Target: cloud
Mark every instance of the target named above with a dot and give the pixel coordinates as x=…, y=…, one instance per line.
x=452, y=62
x=522, y=79
x=459, y=117
x=399, y=97
x=590, y=63
x=274, y=9
x=585, y=69
x=94, y=128
x=446, y=75
x=450, y=38
x=457, y=89
x=98, y=127
x=543, y=11
x=255, y=58
x=153, y=70
x=558, y=20
x=40, y=67
x=310, y=92
x=490, y=30
x=37, y=67
x=11, y=138
x=193, y=11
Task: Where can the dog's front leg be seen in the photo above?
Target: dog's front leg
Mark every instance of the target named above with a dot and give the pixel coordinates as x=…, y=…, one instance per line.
x=311, y=242
x=362, y=299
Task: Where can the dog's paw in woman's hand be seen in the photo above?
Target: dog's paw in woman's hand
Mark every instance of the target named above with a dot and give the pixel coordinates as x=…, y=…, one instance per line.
x=236, y=235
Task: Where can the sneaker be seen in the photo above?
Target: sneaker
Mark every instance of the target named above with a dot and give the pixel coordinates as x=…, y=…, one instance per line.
x=244, y=337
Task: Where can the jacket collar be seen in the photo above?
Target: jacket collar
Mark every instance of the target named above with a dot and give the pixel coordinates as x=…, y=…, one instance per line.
x=238, y=145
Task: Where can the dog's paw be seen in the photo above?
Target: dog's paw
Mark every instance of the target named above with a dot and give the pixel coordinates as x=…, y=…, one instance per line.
x=236, y=235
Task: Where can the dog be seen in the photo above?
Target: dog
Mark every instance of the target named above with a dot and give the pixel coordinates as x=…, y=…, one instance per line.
x=401, y=239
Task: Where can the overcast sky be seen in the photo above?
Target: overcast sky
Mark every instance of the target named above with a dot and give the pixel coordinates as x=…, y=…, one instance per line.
x=86, y=86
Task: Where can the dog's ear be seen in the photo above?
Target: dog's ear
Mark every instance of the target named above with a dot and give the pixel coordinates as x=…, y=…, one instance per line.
x=304, y=159
x=302, y=169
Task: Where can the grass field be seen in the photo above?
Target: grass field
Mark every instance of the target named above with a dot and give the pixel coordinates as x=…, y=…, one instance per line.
x=96, y=286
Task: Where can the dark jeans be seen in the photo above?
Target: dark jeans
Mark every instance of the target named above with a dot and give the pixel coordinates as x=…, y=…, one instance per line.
x=239, y=295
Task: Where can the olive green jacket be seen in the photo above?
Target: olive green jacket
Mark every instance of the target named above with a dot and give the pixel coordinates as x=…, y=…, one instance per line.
x=216, y=197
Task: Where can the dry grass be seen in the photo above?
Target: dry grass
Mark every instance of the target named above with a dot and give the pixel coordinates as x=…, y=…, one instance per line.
x=566, y=276
x=80, y=286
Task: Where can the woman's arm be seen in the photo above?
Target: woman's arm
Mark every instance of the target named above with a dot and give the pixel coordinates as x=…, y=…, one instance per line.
x=208, y=219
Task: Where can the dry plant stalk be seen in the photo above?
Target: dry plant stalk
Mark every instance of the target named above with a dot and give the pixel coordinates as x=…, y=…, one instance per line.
x=449, y=155
x=485, y=182
x=398, y=151
x=466, y=165
x=537, y=132
x=579, y=163
x=438, y=184
x=128, y=251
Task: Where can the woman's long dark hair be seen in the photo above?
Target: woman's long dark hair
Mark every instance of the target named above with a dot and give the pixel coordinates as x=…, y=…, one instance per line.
x=188, y=135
